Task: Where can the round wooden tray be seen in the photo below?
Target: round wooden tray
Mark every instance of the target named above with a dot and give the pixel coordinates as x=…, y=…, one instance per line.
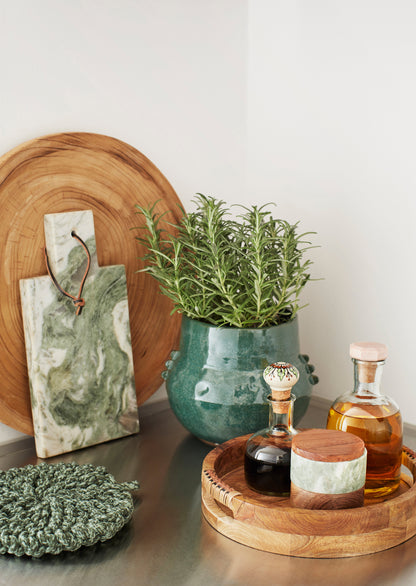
x=271, y=524
x=68, y=172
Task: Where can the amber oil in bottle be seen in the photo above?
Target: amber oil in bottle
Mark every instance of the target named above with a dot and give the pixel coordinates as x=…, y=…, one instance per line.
x=373, y=417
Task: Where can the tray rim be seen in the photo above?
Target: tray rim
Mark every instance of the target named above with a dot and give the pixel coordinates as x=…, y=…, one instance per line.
x=227, y=510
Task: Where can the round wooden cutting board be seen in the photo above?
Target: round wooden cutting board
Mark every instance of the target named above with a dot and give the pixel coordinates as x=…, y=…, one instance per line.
x=69, y=172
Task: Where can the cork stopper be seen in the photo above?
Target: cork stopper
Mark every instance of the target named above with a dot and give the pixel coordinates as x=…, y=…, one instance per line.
x=281, y=377
x=283, y=405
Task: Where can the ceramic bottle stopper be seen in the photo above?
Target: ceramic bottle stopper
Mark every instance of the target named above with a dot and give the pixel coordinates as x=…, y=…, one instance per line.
x=281, y=377
x=327, y=470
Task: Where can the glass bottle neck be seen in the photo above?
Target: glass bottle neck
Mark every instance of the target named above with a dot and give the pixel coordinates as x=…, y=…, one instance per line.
x=281, y=416
x=367, y=377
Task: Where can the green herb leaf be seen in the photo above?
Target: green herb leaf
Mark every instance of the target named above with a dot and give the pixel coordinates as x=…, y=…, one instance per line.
x=247, y=273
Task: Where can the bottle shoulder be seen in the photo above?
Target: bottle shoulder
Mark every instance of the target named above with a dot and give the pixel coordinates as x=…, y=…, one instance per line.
x=266, y=441
x=366, y=398
x=355, y=406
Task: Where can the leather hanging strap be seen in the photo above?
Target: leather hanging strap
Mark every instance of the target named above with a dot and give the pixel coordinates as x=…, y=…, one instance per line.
x=78, y=301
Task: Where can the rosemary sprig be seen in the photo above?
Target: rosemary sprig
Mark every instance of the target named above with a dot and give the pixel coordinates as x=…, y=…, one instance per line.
x=246, y=273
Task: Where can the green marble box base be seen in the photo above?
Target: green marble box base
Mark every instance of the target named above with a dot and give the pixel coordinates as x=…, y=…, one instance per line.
x=80, y=367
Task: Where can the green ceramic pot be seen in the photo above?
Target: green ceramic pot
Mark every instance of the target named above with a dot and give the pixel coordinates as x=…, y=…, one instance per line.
x=215, y=381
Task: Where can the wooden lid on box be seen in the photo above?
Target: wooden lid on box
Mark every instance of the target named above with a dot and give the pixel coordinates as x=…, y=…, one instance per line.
x=327, y=445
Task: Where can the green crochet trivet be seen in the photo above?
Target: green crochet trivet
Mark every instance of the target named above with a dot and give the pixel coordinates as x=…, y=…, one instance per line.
x=51, y=508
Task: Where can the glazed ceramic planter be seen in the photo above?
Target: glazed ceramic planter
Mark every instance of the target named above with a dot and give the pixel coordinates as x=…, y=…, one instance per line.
x=215, y=381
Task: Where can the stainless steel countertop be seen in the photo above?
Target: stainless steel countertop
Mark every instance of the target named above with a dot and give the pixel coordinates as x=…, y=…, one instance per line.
x=168, y=542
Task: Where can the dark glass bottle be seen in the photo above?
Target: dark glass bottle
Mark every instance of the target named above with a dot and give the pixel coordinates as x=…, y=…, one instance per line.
x=267, y=455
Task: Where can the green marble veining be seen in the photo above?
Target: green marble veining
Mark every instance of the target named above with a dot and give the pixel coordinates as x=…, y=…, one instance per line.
x=80, y=367
x=215, y=381
x=328, y=477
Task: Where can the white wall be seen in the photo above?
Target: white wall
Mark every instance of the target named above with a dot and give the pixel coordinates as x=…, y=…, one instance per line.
x=320, y=97
x=167, y=76
x=332, y=126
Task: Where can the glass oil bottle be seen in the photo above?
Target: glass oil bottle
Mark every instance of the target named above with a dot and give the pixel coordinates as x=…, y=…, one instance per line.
x=268, y=452
x=373, y=417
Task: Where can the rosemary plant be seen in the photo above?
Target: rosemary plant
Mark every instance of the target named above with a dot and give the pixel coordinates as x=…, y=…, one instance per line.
x=246, y=272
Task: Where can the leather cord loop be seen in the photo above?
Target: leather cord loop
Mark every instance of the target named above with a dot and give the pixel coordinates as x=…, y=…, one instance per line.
x=78, y=301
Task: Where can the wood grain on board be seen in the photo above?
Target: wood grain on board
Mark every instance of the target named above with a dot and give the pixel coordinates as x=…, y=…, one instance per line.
x=70, y=172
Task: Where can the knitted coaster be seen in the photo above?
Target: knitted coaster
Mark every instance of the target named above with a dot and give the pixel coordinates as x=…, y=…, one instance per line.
x=51, y=508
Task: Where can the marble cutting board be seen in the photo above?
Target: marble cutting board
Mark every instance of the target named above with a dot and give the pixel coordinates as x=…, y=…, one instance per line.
x=80, y=367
